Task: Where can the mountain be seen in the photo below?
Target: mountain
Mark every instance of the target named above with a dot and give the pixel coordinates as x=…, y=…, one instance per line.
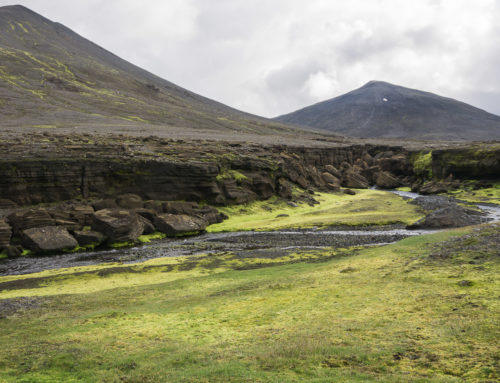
x=382, y=110
x=52, y=77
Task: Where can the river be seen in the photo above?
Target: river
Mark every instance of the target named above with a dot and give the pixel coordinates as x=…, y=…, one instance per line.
x=270, y=243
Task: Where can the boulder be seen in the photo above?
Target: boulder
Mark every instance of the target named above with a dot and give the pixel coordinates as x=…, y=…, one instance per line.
x=432, y=202
x=433, y=187
x=237, y=194
x=333, y=187
x=386, y=180
x=368, y=159
x=88, y=237
x=82, y=214
x=179, y=224
x=302, y=182
x=5, y=234
x=330, y=179
x=118, y=225
x=105, y=204
x=451, y=216
x=370, y=173
x=210, y=214
x=48, y=239
x=129, y=201
x=28, y=219
x=349, y=191
x=149, y=228
x=177, y=207
x=355, y=180
x=262, y=185
x=146, y=213
x=333, y=170
x=155, y=206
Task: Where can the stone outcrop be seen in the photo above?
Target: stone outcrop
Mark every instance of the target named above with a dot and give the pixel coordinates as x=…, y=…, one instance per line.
x=48, y=239
x=28, y=219
x=118, y=225
x=386, y=180
x=355, y=180
x=88, y=237
x=179, y=224
x=450, y=216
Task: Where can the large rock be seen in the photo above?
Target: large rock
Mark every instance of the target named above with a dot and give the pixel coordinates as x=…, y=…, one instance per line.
x=432, y=202
x=179, y=224
x=48, y=239
x=451, y=216
x=330, y=178
x=262, y=185
x=355, y=180
x=179, y=207
x=333, y=170
x=5, y=234
x=118, y=225
x=89, y=237
x=82, y=214
x=105, y=204
x=433, y=187
x=28, y=219
x=237, y=194
x=370, y=173
x=386, y=180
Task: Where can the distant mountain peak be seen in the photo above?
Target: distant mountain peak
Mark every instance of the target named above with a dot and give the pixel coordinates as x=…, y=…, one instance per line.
x=382, y=109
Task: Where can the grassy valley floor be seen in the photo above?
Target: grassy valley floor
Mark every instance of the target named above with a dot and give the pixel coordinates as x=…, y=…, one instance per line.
x=367, y=207
x=424, y=309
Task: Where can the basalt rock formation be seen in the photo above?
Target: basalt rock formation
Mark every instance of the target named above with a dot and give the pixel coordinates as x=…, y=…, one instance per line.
x=117, y=191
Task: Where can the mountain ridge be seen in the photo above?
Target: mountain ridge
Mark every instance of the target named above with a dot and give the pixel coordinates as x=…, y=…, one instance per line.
x=53, y=76
x=380, y=109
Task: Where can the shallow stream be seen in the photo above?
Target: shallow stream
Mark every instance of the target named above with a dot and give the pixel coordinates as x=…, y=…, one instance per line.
x=266, y=244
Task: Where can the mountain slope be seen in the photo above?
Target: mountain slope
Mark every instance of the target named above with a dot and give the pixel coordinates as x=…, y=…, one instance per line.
x=50, y=75
x=380, y=109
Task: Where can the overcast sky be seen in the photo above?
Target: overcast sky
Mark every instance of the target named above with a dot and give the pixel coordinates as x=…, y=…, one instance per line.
x=271, y=57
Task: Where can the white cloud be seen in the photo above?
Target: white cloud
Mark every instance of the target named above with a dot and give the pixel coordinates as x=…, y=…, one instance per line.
x=273, y=56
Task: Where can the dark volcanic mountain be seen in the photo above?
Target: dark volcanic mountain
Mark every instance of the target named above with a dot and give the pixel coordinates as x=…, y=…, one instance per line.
x=380, y=109
x=52, y=77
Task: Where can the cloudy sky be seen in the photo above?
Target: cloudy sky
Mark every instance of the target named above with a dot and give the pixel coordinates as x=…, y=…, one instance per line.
x=271, y=57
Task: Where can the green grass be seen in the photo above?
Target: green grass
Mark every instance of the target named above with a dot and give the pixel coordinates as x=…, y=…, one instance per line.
x=147, y=238
x=489, y=195
x=367, y=207
x=384, y=314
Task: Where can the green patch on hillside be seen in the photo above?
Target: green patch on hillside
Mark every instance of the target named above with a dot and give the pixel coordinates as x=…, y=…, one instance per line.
x=229, y=174
x=422, y=164
x=396, y=313
x=367, y=207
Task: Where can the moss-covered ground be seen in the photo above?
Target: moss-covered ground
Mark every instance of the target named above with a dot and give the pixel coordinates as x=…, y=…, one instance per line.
x=473, y=194
x=367, y=207
x=424, y=309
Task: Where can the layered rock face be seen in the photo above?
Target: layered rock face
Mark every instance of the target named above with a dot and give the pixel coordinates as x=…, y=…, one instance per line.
x=158, y=170
x=125, y=191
